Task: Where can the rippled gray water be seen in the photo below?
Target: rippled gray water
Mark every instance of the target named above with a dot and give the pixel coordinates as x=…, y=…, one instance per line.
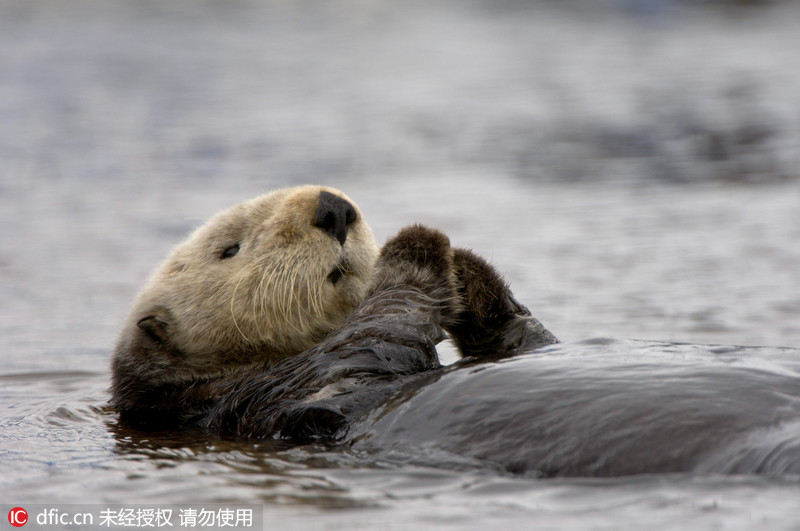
x=631, y=167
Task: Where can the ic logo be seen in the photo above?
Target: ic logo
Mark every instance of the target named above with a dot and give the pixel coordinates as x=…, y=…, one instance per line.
x=18, y=516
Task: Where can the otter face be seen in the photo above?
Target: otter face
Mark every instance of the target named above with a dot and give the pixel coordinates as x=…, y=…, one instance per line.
x=263, y=280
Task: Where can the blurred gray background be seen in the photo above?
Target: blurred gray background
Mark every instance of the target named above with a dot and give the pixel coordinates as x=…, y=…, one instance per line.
x=631, y=165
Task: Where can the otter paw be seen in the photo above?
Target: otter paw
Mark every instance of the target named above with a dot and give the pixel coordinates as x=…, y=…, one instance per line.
x=491, y=322
x=308, y=424
x=420, y=246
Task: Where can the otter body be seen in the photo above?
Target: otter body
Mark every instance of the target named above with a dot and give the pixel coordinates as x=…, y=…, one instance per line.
x=517, y=402
x=520, y=402
x=600, y=408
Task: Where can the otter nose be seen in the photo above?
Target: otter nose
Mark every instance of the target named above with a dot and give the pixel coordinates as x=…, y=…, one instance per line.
x=334, y=215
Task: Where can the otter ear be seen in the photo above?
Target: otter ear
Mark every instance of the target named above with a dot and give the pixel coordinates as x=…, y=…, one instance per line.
x=156, y=325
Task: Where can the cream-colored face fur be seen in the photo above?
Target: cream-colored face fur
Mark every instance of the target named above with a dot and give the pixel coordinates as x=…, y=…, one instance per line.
x=257, y=281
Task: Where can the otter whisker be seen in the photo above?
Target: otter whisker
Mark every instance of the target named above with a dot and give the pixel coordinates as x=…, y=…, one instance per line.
x=254, y=269
x=290, y=298
x=294, y=304
x=288, y=275
x=266, y=286
x=285, y=300
x=260, y=301
x=312, y=298
x=311, y=306
x=233, y=308
x=315, y=292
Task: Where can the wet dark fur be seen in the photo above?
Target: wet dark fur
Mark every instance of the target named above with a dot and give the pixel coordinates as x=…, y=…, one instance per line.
x=491, y=323
x=597, y=408
x=420, y=288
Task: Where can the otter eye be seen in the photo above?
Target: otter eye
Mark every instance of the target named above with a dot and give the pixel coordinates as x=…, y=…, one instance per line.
x=230, y=251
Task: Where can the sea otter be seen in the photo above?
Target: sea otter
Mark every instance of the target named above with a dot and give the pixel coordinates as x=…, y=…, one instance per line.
x=270, y=278
x=518, y=402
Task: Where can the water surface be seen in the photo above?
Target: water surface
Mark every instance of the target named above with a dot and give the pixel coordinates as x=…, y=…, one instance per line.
x=632, y=172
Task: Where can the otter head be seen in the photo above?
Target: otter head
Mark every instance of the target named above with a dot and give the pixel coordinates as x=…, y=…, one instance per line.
x=261, y=281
